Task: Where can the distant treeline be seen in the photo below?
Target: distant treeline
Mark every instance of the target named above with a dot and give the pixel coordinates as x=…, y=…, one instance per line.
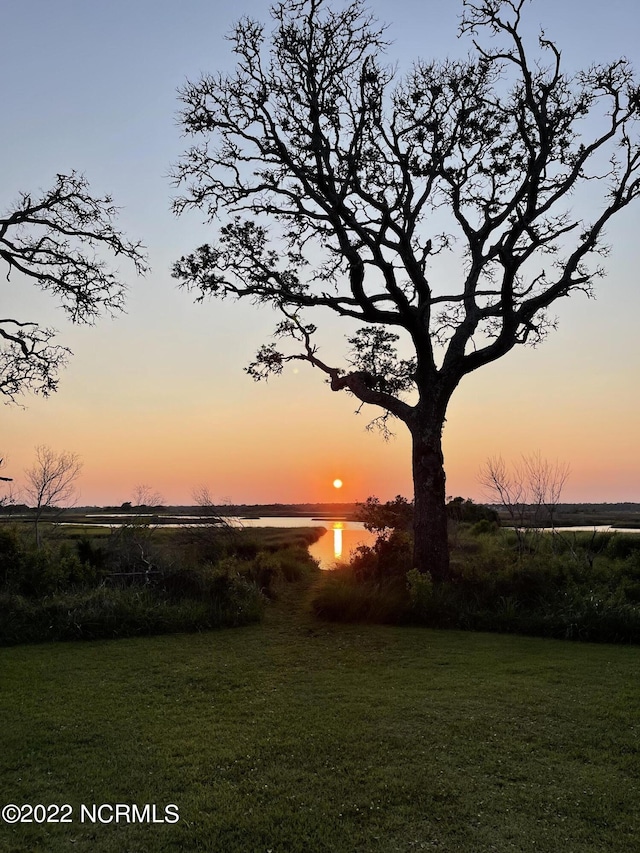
x=625, y=513
x=342, y=509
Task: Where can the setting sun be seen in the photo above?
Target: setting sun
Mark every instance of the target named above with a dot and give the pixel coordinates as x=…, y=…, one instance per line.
x=337, y=484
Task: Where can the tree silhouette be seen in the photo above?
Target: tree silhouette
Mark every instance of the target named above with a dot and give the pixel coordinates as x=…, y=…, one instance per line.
x=51, y=481
x=337, y=186
x=53, y=241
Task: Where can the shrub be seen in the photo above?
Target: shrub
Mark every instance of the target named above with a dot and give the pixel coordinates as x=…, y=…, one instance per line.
x=89, y=552
x=620, y=547
x=420, y=588
x=296, y=564
x=467, y=511
x=568, y=588
x=389, y=557
x=341, y=597
x=269, y=569
x=30, y=571
x=208, y=543
x=131, y=553
x=11, y=556
x=124, y=612
x=484, y=527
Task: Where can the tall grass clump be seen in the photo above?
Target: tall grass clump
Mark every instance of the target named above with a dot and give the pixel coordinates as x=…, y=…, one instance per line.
x=342, y=596
x=109, y=613
x=113, y=612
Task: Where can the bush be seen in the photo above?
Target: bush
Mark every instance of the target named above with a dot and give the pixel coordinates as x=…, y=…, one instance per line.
x=124, y=612
x=296, y=564
x=52, y=594
x=29, y=571
x=11, y=556
x=420, y=588
x=572, y=589
x=269, y=569
x=90, y=553
x=388, y=557
x=484, y=527
x=208, y=543
x=620, y=547
x=141, y=580
x=468, y=512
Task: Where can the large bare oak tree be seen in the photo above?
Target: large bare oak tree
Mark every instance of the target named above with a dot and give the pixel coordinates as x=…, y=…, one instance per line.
x=337, y=186
x=55, y=240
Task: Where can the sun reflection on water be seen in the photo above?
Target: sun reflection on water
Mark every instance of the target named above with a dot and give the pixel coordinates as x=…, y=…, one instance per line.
x=337, y=544
x=337, y=528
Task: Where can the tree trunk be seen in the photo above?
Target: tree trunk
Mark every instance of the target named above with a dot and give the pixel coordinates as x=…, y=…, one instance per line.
x=39, y=511
x=431, y=546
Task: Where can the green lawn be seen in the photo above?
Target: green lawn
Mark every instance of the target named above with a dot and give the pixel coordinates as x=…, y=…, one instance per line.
x=295, y=735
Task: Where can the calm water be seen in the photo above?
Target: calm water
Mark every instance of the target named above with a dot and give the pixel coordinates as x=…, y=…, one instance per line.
x=334, y=546
x=342, y=537
x=339, y=541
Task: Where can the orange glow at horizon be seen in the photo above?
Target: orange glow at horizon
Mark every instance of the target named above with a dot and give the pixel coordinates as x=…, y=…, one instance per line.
x=125, y=436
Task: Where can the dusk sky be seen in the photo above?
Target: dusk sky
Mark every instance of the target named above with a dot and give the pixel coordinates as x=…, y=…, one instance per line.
x=158, y=396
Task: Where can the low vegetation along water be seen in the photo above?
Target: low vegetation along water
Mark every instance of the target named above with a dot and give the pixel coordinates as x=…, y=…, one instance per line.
x=91, y=581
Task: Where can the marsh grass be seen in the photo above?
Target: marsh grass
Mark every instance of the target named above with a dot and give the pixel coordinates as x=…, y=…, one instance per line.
x=142, y=581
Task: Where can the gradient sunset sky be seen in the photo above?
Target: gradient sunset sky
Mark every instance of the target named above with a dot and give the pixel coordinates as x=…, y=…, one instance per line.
x=158, y=396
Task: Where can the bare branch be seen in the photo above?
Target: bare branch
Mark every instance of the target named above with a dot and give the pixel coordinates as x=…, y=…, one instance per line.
x=298, y=150
x=55, y=241
x=50, y=482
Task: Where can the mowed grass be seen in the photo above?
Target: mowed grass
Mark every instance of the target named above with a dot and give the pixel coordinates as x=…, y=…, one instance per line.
x=296, y=735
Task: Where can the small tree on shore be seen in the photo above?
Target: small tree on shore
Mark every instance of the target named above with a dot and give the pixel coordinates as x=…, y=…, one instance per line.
x=529, y=491
x=144, y=496
x=338, y=188
x=51, y=481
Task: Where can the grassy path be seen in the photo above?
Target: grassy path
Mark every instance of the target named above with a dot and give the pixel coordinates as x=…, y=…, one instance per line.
x=299, y=736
